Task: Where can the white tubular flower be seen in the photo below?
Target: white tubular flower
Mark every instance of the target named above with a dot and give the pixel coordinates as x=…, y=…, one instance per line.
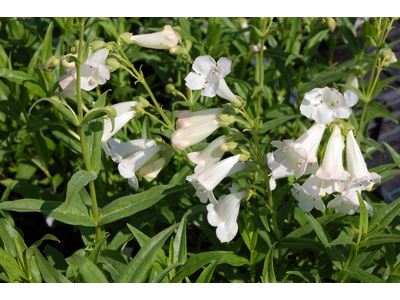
x=206, y=181
x=195, y=127
x=209, y=156
x=348, y=203
x=333, y=176
x=295, y=158
x=208, y=74
x=326, y=104
x=224, y=92
x=164, y=39
x=224, y=215
x=308, y=196
x=151, y=169
x=93, y=72
x=124, y=114
x=120, y=151
x=130, y=165
x=361, y=178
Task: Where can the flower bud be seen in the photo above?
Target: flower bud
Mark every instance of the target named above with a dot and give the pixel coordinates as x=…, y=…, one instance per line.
x=228, y=146
x=393, y=59
x=51, y=64
x=331, y=24
x=352, y=80
x=144, y=102
x=188, y=45
x=176, y=50
x=387, y=54
x=73, y=50
x=112, y=64
x=226, y=120
x=164, y=39
x=170, y=88
x=97, y=45
x=125, y=38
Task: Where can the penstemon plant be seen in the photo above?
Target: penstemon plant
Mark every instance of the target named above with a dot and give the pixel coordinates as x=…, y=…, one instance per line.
x=197, y=151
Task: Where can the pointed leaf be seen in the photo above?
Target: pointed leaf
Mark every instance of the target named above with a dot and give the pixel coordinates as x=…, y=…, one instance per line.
x=160, y=277
x=50, y=275
x=361, y=275
x=60, y=106
x=94, y=255
x=385, y=215
x=24, y=79
x=180, y=251
x=268, y=273
x=90, y=272
x=101, y=102
x=381, y=239
x=137, y=269
x=5, y=149
x=363, y=224
x=75, y=184
x=97, y=113
x=93, y=143
x=206, y=275
x=393, y=153
x=8, y=262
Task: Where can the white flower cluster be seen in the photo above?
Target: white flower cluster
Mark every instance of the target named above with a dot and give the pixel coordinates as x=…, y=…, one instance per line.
x=298, y=158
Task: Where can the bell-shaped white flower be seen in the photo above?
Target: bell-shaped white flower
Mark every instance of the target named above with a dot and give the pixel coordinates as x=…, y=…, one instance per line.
x=164, y=39
x=326, y=104
x=224, y=215
x=93, y=72
x=308, y=196
x=295, y=158
x=224, y=92
x=130, y=165
x=209, y=156
x=125, y=112
x=208, y=74
x=348, y=203
x=361, y=178
x=195, y=127
x=120, y=151
x=334, y=177
x=206, y=181
x=150, y=170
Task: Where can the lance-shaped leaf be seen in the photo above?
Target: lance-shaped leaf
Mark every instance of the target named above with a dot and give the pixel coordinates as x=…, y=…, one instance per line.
x=50, y=275
x=90, y=272
x=206, y=275
x=75, y=184
x=268, y=273
x=381, y=239
x=384, y=216
x=60, y=106
x=180, y=251
x=94, y=255
x=363, y=224
x=129, y=205
x=8, y=262
x=9, y=235
x=76, y=214
x=160, y=277
x=137, y=269
x=361, y=275
x=98, y=112
x=93, y=143
x=5, y=148
x=101, y=102
x=195, y=262
x=24, y=79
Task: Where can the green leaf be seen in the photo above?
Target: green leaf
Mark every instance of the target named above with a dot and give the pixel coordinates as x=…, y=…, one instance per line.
x=363, y=225
x=76, y=214
x=384, y=216
x=361, y=275
x=50, y=275
x=60, y=106
x=206, y=275
x=146, y=134
x=180, y=251
x=234, y=260
x=93, y=143
x=98, y=112
x=393, y=153
x=113, y=261
x=24, y=79
x=75, y=184
x=129, y=205
x=9, y=235
x=137, y=269
x=94, y=255
x=195, y=262
x=3, y=58
x=160, y=277
x=305, y=275
x=101, y=102
x=5, y=149
x=268, y=273
x=342, y=239
x=381, y=239
x=90, y=272
x=299, y=243
x=273, y=124
x=8, y=262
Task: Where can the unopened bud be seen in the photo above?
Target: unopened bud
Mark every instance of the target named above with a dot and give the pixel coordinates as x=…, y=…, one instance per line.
x=97, y=45
x=51, y=64
x=331, y=24
x=228, y=146
x=170, y=88
x=393, y=59
x=109, y=46
x=387, y=54
x=244, y=157
x=352, y=80
x=176, y=50
x=74, y=50
x=188, y=45
x=112, y=64
x=144, y=102
x=125, y=38
x=226, y=120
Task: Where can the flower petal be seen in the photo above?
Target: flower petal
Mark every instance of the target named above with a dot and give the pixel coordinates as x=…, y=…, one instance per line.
x=195, y=81
x=211, y=90
x=204, y=65
x=224, y=66
x=350, y=98
x=98, y=58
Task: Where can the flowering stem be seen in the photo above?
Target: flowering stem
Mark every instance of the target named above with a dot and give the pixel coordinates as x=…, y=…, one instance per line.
x=82, y=136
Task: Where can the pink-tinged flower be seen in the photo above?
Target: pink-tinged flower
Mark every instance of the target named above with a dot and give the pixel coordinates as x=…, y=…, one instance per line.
x=209, y=76
x=206, y=181
x=164, y=39
x=308, y=196
x=93, y=72
x=195, y=127
x=130, y=165
x=295, y=158
x=326, y=104
x=125, y=112
x=332, y=174
x=224, y=215
x=361, y=178
x=209, y=156
x=348, y=203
